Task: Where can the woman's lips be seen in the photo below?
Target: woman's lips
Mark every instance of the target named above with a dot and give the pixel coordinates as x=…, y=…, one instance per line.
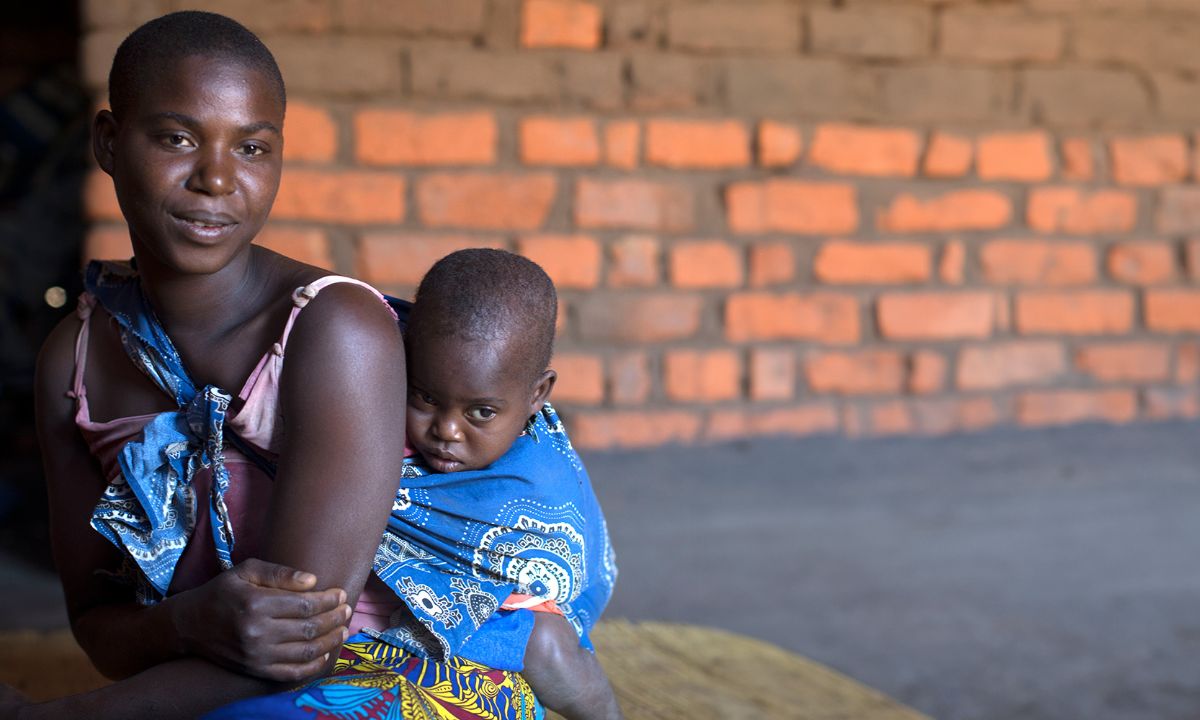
x=205, y=226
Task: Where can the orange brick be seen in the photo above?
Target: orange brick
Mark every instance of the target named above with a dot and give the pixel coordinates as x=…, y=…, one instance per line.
x=991, y=367
x=630, y=318
x=779, y=145
x=633, y=204
x=1078, y=159
x=1034, y=262
x=561, y=24
x=771, y=263
x=823, y=317
x=772, y=374
x=633, y=261
x=1167, y=403
x=956, y=210
x=952, y=267
x=391, y=258
x=891, y=417
x=1075, y=312
x=948, y=156
x=308, y=245
x=1187, y=363
x=702, y=376
x=621, y=139
x=861, y=150
x=604, y=430
x=399, y=137
x=1174, y=310
x=872, y=372
x=107, y=242
x=936, y=316
x=1178, y=210
x=705, y=263
x=1065, y=407
x=926, y=372
x=792, y=206
x=843, y=261
x=580, y=379
x=948, y=415
x=99, y=197
x=1192, y=259
x=310, y=133
x=559, y=141
x=340, y=197
x=697, y=144
x=1149, y=160
x=571, y=261
x=629, y=378
x=1133, y=362
x=1142, y=263
x=808, y=419
x=507, y=201
x=1023, y=156
x=1071, y=210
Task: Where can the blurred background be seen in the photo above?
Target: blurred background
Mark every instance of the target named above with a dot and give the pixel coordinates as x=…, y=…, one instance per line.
x=879, y=319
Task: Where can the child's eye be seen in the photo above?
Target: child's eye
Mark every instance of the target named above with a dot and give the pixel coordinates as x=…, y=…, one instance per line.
x=481, y=414
x=421, y=397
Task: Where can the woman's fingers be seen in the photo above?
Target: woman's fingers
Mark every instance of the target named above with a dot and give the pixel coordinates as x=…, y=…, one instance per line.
x=283, y=604
x=274, y=575
x=291, y=662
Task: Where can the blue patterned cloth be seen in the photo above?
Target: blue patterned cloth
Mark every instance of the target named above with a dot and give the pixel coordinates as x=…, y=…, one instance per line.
x=149, y=510
x=458, y=544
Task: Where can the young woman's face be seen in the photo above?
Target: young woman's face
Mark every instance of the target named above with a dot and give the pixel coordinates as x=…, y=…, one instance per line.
x=196, y=162
x=467, y=401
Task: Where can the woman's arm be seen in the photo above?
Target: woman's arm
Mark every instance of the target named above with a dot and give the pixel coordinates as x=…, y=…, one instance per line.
x=342, y=398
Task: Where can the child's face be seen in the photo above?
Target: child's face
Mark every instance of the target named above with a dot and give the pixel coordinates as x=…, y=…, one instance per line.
x=196, y=161
x=468, y=400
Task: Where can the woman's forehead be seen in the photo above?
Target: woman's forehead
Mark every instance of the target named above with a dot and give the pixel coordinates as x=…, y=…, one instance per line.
x=197, y=79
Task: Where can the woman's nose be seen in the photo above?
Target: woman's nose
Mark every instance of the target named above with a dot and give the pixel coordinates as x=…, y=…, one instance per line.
x=213, y=173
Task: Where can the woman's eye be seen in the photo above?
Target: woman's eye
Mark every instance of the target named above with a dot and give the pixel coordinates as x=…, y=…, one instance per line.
x=178, y=140
x=253, y=150
x=482, y=414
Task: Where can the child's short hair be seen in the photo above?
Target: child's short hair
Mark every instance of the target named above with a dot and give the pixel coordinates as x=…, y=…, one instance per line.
x=177, y=35
x=485, y=294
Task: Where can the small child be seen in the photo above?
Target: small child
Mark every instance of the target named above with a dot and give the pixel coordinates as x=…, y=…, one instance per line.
x=496, y=515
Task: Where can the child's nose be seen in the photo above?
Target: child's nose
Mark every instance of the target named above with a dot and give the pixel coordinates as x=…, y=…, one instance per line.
x=213, y=173
x=447, y=429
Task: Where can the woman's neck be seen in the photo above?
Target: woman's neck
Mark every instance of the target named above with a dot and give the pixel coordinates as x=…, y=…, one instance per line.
x=207, y=305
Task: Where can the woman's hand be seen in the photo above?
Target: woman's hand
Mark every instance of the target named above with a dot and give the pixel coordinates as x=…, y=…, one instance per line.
x=263, y=619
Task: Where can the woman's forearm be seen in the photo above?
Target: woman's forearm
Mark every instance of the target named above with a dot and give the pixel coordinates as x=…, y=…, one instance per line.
x=123, y=640
x=185, y=688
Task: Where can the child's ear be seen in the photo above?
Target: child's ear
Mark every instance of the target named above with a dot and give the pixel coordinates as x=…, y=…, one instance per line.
x=541, y=390
x=104, y=138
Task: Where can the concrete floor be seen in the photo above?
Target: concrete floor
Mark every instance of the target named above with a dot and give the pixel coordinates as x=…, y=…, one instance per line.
x=1017, y=574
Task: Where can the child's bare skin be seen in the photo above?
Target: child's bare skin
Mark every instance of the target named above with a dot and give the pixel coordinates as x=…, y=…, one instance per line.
x=469, y=400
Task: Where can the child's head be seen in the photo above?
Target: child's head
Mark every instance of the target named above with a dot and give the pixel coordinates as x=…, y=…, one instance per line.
x=478, y=343
x=194, y=138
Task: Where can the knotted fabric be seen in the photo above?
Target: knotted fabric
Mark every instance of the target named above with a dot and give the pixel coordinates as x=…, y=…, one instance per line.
x=149, y=509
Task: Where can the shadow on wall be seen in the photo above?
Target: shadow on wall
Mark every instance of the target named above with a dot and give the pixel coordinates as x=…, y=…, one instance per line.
x=43, y=144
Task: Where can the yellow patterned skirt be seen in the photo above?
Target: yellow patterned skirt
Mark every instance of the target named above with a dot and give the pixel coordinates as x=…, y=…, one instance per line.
x=376, y=680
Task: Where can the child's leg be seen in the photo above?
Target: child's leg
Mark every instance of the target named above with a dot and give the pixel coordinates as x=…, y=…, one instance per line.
x=565, y=677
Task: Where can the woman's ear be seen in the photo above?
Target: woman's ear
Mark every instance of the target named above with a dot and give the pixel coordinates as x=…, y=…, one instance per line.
x=541, y=390
x=104, y=138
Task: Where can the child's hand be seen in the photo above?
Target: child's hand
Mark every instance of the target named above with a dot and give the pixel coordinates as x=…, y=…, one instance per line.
x=263, y=619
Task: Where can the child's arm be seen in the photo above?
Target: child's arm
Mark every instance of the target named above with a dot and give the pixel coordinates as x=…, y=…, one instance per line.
x=223, y=620
x=566, y=677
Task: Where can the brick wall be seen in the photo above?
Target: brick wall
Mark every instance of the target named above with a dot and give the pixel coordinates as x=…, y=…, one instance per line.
x=787, y=216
